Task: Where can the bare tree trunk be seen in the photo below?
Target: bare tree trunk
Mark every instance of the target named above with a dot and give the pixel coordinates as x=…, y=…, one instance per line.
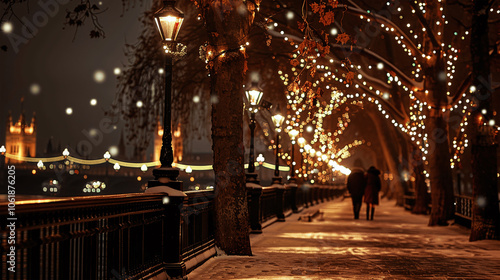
x=436, y=125
x=485, y=213
x=440, y=170
x=227, y=26
x=227, y=135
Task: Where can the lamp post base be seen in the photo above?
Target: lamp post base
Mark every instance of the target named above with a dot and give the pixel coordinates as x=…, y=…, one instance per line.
x=252, y=178
x=278, y=180
x=292, y=180
x=166, y=176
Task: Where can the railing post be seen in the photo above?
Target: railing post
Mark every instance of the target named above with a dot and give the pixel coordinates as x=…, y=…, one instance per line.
x=306, y=193
x=254, y=205
x=172, y=221
x=312, y=197
x=293, y=197
x=322, y=193
x=327, y=192
x=280, y=202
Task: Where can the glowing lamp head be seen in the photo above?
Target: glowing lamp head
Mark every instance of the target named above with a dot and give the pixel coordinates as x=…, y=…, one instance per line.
x=307, y=147
x=3, y=150
x=293, y=134
x=278, y=120
x=254, y=94
x=260, y=159
x=144, y=168
x=301, y=141
x=107, y=155
x=189, y=170
x=169, y=20
x=116, y=167
x=312, y=152
x=65, y=153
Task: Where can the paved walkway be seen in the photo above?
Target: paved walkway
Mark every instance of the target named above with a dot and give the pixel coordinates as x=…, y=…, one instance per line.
x=395, y=245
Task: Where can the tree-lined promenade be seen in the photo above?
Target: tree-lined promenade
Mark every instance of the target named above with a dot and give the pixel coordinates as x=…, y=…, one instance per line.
x=411, y=82
x=396, y=245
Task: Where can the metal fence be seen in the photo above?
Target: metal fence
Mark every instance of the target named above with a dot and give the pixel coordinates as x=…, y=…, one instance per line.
x=132, y=236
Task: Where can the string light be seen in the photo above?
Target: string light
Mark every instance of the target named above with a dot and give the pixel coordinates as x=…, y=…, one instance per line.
x=117, y=164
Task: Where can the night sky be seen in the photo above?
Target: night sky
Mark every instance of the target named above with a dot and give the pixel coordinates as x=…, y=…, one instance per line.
x=54, y=72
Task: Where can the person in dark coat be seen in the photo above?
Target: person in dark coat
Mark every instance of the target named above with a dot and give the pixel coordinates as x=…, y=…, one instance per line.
x=356, y=183
x=373, y=186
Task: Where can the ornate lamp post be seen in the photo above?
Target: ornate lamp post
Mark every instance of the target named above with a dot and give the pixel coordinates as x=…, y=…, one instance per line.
x=3, y=150
x=254, y=95
x=307, y=148
x=278, y=119
x=168, y=20
x=260, y=160
x=65, y=153
x=301, y=141
x=293, y=135
x=106, y=157
x=312, y=153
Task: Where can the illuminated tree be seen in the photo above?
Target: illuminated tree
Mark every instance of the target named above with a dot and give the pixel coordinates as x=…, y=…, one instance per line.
x=412, y=85
x=486, y=216
x=397, y=60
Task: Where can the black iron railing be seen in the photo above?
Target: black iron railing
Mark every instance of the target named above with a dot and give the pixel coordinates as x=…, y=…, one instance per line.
x=272, y=203
x=268, y=204
x=130, y=236
x=463, y=210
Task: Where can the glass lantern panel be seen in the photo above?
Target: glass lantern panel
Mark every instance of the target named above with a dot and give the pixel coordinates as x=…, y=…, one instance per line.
x=169, y=27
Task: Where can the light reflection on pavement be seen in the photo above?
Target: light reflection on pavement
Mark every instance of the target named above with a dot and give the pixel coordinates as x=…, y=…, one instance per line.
x=395, y=245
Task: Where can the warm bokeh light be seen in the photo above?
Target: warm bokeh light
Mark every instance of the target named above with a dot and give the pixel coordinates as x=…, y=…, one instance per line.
x=113, y=150
x=99, y=76
x=7, y=27
x=35, y=89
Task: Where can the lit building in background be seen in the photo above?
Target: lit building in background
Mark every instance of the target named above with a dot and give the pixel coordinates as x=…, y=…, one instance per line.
x=20, y=138
x=177, y=143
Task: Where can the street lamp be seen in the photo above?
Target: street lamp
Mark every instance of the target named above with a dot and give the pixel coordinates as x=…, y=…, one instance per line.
x=293, y=134
x=168, y=20
x=302, y=142
x=106, y=157
x=278, y=119
x=312, y=153
x=65, y=153
x=3, y=150
x=260, y=160
x=307, y=148
x=254, y=95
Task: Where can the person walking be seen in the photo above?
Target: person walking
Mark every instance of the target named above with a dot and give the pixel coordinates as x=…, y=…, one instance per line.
x=356, y=183
x=373, y=186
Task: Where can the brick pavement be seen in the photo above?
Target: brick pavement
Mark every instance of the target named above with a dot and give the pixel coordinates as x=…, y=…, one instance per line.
x=395, y=245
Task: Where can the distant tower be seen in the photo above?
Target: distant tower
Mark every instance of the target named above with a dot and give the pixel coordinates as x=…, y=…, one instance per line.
x=177, y=143
x=20, y=138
